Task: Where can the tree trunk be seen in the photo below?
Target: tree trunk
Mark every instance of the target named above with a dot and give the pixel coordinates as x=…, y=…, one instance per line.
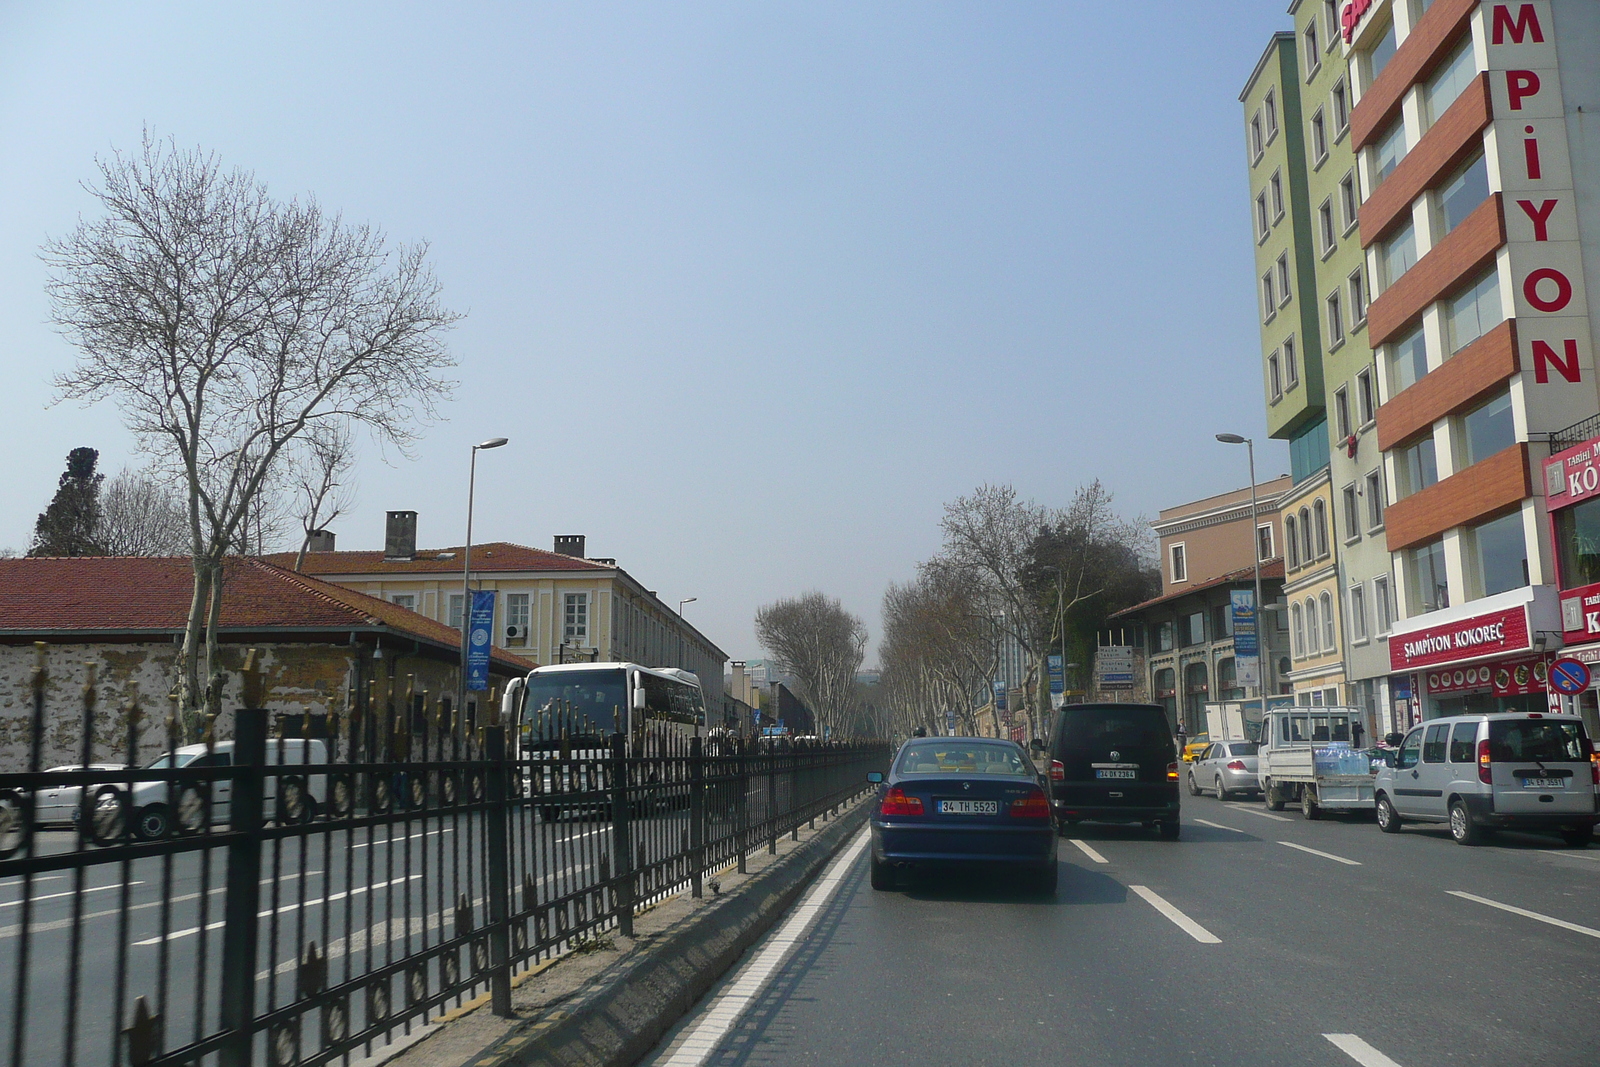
x=190, y=692
x=214, y=673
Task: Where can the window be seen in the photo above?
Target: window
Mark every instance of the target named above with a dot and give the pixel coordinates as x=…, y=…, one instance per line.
x=1284, y=288
x=1389, y=151
x=1164, y=640
x=1320, y=511
x=1381, y=53
x=1263, y=223
x=1450, y=80
x=1269, y=301
x=1374, y=495
x=1486, y=429
x=1313, y=628
x=1326, y=229
x=1352, y=513
x=1358, y=297
x=1264, y=550
x=1222, y=621
x=1417, y=464
x=575, y=620
x=1257, y=143
x=1306, y=552
x=1270, y=107
x=1341, y=107
x=1426, y=588
x=1410, y=749
x=1462, y=194
x=1291, y=366
x=1578, y=542
x=1464, y=743
x=1475, y=311
x=1275, y=187
x=1382, y=604
x=1501, y=554
x=1180, y=568
x=1192, y=628
x=1408, y=361
x=1313, y=50
x=1358, y=613
x=1433, y=748
x=1297, y=631
x=1335, y=320
x=1330, y=21
x=1319, y=138
x=1398, y=254
x=1330, y=632
x=404, y=600
x=1274, y=381
x=1349, y=203
x=1366, y=397
x=1289, y=538
x=455, y=611
x=1341, y=412
x=519, y=619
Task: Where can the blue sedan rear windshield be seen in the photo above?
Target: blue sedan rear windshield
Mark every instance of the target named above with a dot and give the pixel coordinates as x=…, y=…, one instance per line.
x=963, y=757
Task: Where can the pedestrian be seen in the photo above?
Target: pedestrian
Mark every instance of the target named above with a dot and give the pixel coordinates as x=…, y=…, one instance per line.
x=1356, y=733
x=1183, y=739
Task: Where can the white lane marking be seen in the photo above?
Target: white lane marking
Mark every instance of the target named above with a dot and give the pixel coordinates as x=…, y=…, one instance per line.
x=1179, y=919
x=1524, y=912
x=1219, y=826
x=725, y=1011
x=58, y=896
x=1572, y=854
x=1360, y=1051
x=294, y=906
x=14, y=882
x=1087, y=851
x=381, y=842
x=1319, y=852
x=1253, y=811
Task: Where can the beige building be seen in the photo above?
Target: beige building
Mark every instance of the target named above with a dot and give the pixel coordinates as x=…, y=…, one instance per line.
x=1208, y=538
x=1311, y=588
x=552, y=607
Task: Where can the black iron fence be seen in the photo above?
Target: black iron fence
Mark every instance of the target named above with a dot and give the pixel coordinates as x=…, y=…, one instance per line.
x=306, y=897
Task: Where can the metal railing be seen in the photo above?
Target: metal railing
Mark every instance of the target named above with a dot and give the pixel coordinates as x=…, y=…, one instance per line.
x=1576, y=434
x=306, y=899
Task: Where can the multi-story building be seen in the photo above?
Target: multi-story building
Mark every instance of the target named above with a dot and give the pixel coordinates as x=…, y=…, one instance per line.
x=1478, y=176
x=1311, y=591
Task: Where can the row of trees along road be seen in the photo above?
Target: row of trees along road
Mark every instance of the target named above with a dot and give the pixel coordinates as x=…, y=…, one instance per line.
x=813, y=639
x=1008, y=568
x=239, y=334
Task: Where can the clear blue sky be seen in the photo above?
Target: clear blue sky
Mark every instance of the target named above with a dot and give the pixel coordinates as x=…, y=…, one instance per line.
x=752, y=288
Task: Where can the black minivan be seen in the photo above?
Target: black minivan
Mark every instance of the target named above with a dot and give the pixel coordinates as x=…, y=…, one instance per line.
x=1114, y=763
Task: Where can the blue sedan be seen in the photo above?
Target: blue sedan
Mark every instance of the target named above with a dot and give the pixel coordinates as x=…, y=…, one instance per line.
x=961, y=801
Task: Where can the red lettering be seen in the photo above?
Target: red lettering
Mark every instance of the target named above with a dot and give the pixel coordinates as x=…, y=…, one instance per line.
x=1540, y=216
x=1527, y=24
x=1520, y=83
x=1530, y=289
x=1544, y=357
x=1530, y=156
x=1351, y=16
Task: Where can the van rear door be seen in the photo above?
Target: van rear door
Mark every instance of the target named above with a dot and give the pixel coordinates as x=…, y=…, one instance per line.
x=1540, y=766
x=1114, y=756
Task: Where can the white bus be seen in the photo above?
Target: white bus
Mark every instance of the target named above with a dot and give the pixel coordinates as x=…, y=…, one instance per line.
x=588, y=702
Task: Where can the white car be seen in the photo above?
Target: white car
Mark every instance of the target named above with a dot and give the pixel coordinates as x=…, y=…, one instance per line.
x=160, y=808
x=60, y=803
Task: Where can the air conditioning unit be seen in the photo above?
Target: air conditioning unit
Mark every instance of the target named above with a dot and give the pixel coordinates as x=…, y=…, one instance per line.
x=514, y=631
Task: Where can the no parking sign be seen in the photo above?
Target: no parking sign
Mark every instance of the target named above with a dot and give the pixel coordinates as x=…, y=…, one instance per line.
x=1569, y=676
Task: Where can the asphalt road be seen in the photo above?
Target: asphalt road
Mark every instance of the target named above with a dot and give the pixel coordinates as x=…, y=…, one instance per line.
x=1249, y=941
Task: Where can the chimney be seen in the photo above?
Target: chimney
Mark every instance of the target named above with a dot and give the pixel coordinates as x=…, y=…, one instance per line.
x=319, y=541
x=570, y=545
x=400, y=536
x=738, y=680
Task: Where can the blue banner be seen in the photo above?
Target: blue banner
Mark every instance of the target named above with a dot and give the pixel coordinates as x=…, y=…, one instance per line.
x=1244, y=623
x=480, y=624
x=1058, y=675
x=1000, y=696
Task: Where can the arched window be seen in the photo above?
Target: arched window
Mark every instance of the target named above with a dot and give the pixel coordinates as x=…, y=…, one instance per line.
x=1330, y=636
x=1313, y=627
x=1291, y=540
x=1321, y=511
x=1297, y=631
x=1305, y=536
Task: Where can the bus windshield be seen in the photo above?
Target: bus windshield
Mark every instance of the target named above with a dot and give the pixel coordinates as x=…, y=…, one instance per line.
x=581, y=702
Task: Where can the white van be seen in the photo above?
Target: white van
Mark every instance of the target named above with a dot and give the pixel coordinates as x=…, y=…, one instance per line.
x=1526, y=771
x=158, y=811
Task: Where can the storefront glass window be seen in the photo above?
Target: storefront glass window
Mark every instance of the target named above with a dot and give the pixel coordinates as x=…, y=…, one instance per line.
x=1426, y=588
x=1502, y=554
x=1578, y=541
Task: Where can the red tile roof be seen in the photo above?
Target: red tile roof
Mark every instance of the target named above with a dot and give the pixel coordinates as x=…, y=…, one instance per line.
x=1272, y=568
x=128, y=595
x=486, y=558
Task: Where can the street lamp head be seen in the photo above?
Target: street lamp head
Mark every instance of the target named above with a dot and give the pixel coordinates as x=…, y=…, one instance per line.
x=1230, y=439
x=493, y=442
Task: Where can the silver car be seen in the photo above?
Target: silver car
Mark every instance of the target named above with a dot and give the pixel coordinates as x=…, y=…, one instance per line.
x=60, y=804
x=1226, y=768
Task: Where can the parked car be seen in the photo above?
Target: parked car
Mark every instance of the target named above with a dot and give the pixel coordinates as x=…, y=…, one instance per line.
x=1227, y=767
x=1526, y=771
x=60, y=804
x=1115, y=763
x=962, y=801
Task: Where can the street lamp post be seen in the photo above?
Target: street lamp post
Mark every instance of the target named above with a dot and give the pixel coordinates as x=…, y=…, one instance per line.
x=466, y=581
x=1255, y=556
x=681, y=603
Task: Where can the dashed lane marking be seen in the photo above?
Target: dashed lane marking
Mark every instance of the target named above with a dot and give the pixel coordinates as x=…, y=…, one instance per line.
x=1178, y=918
x=1218, y=826
x=58, y=896
x=1253, y=811
x=1319, y=852
x=1087, y=851
x=1525, y=913
x=1360, y=1051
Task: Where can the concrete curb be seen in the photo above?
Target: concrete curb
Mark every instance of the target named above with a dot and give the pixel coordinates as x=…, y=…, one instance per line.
x=620, y=1014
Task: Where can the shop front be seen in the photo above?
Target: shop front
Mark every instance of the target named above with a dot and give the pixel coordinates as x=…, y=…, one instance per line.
x=1487, y=655
x=1572, y=494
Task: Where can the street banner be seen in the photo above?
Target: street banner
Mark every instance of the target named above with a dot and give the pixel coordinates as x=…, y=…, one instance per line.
x=1246, y=646
x=1000, y=696
x=1058, y=680
x=480, y=624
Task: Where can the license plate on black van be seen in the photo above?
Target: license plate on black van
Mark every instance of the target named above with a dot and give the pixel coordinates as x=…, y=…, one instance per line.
x=1116, y=772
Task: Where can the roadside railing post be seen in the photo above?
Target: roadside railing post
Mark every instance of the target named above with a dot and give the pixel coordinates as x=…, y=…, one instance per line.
x=621, y=839
x=697, y=815
x=243, y=890
x=772, y=804
x=494, y=739
x=742, y=835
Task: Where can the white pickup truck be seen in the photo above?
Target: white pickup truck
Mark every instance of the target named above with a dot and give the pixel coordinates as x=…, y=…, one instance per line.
x=1307, y=756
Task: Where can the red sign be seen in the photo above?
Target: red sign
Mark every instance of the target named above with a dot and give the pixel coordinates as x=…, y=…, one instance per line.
x=1351, y=17
x=1482, y=635
x=1573, y=475
x=1580, y=614
x=1506, y=678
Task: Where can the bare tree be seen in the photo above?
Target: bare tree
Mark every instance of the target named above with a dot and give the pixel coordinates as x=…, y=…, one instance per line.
x=225, y=324
x=940, y=645
x=141, y=514
x=322, y=486
x=821, y=644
